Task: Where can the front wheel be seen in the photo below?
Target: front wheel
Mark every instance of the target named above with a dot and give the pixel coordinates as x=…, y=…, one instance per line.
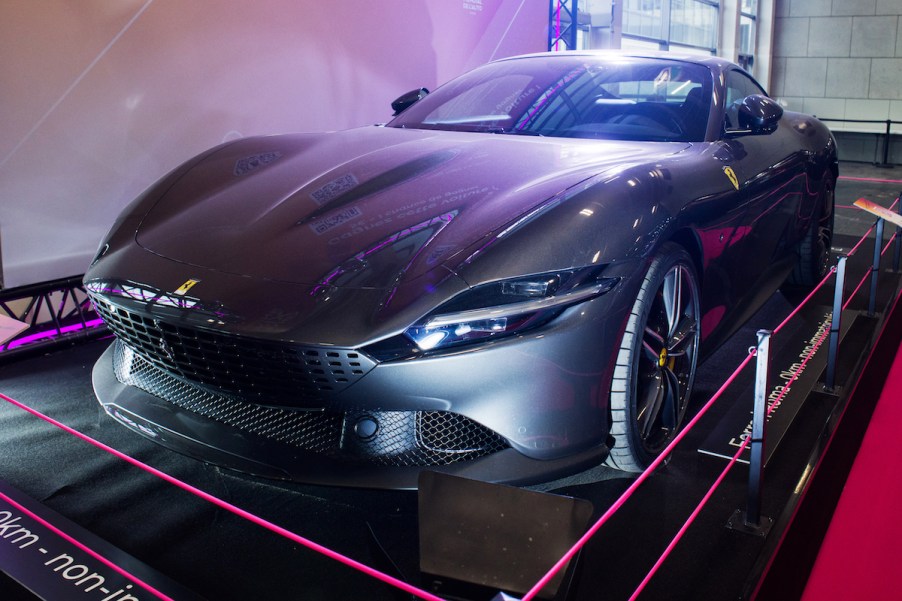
x=656, y=361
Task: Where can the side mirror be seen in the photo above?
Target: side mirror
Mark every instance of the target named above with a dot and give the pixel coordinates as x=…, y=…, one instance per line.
x=757, y=115
x=404, y=101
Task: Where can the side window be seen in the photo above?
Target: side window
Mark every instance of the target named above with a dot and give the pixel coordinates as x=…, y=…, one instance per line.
x=739, y=85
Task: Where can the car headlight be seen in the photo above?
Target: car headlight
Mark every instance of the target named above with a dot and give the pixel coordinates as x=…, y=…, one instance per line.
x=506, y=307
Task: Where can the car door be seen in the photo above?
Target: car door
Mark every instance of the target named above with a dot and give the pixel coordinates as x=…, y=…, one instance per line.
x=770, y=172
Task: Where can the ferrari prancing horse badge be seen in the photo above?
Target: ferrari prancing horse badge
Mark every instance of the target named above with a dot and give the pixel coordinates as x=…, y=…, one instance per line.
x=184, y=288
x=732, y=176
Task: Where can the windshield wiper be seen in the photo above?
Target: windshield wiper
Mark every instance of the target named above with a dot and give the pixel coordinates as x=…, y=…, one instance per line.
x=514, y=132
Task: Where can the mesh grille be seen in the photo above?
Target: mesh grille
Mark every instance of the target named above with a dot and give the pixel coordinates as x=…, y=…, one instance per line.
x=319, y=432
x=401, y=438
x=268, y=372
x=401, y=434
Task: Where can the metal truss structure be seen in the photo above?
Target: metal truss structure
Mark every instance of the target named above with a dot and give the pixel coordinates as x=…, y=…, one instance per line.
x=52, y=313
x=562, y=24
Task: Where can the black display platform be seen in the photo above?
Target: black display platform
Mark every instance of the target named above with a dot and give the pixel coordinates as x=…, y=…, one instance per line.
x=57, y=559
x=220, y=556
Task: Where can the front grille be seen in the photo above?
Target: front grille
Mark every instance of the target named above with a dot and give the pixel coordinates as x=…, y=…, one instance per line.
x=401, y=438
x=256, y=370
x=319, y=431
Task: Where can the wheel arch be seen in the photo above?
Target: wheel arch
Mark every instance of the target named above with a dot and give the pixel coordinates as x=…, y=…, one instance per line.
x=688, y=239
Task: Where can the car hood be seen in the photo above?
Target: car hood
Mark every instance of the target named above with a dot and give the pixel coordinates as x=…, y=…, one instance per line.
x=365, y=208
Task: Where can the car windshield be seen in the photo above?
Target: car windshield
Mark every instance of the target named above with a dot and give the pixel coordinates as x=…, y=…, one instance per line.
x=574, y=97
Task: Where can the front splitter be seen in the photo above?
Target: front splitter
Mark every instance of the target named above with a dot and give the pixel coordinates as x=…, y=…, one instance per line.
x=224, y=445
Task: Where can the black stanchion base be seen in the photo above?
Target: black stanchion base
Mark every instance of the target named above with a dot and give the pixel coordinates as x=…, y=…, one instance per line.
x=821, y=393
x=739, y=524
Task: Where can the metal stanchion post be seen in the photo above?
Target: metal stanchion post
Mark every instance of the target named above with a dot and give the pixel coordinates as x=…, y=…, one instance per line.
x=759, y=419
x=751, y=521
x=897, y=251
x=875, y=267
x=830, y=378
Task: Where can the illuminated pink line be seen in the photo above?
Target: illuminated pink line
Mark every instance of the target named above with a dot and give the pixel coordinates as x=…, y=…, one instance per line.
x=632, y=488
x=86, y=549
x=871, y=179
x=54, y=332
x=234, y=509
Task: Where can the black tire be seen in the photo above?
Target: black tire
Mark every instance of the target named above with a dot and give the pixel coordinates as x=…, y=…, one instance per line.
x=814, y=250
x=656, y=362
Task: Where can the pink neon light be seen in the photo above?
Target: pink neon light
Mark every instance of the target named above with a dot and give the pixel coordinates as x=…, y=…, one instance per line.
x=51, y=333
x=86, y=549
x=233, y=509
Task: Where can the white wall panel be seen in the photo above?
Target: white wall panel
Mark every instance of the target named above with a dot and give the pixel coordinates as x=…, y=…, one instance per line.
x=98, y=98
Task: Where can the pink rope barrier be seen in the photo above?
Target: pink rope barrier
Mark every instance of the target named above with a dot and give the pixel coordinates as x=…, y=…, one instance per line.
x=655, y=464
x=632, y=488
x=804, y=302
x=860, y=241
x=867, y=274
x=390, y=580
x=387, y=579
x=889, y=243
x=128, y=575
x=691, y=519
x=679, y=536
x=872, y=180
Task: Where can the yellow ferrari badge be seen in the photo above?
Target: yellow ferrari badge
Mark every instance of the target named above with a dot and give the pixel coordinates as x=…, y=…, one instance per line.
x=732, y=176
x=184, y=288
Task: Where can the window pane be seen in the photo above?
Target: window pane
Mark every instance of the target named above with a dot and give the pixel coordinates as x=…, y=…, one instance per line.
x=644, y=18
x=749, y=7
x=691, y=50
x=628, y=43
x=746, y=35
x=580, y=97
x=693, y=23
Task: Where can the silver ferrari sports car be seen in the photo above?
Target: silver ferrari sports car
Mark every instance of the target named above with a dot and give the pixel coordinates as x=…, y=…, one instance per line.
x=512, y=280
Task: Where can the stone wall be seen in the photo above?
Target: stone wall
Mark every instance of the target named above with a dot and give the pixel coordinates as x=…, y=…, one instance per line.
x=840, y=59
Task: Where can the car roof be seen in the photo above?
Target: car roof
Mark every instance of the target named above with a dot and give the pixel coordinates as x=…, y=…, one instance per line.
x=715, y=63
